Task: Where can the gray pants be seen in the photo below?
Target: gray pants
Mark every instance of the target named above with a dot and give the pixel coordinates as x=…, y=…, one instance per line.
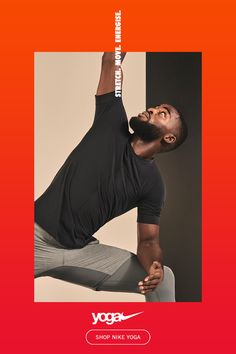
x=96, y=266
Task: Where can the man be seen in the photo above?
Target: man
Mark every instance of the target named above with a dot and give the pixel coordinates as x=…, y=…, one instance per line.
x=108, y=173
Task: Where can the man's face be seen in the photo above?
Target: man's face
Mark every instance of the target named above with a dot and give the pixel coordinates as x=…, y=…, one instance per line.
x=155, y=122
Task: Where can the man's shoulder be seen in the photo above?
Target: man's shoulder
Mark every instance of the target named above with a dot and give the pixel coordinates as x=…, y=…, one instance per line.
x=153, y=173
x=154, y=180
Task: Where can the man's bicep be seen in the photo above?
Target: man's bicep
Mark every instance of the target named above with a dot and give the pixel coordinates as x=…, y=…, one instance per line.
x=107, y=77
x=152, y=202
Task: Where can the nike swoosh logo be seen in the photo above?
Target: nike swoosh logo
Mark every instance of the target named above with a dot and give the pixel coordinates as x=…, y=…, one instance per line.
x=129, y=316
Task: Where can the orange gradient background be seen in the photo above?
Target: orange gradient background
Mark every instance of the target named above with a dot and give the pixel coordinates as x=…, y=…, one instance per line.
x=32, y=26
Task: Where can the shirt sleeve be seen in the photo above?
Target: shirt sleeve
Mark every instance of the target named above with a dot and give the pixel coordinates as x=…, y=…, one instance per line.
x=103, y=103
x=151, y=205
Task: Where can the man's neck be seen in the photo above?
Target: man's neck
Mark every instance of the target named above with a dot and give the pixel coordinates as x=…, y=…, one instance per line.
x=146, y=150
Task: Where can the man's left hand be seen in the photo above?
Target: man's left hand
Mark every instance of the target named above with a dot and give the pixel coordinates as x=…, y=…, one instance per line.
x=156, y=275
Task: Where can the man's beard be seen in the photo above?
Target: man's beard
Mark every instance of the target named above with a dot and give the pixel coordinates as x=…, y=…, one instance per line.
x=145, y=131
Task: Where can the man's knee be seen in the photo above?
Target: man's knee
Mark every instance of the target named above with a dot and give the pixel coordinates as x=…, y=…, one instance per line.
x=166, y=289
x=168, y=274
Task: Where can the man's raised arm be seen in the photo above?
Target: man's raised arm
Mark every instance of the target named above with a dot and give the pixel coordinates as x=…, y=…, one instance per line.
x=107, y=77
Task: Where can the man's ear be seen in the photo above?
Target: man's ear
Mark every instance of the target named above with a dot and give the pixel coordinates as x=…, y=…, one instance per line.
x=169, y=138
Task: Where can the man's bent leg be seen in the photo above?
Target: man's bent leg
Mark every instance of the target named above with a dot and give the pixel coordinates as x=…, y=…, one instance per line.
x=97, y=266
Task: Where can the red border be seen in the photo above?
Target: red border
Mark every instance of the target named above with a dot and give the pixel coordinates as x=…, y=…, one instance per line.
x=205, y=26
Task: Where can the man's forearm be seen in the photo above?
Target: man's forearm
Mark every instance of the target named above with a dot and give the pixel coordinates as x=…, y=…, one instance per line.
x=110, y=57
x=148, y=252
